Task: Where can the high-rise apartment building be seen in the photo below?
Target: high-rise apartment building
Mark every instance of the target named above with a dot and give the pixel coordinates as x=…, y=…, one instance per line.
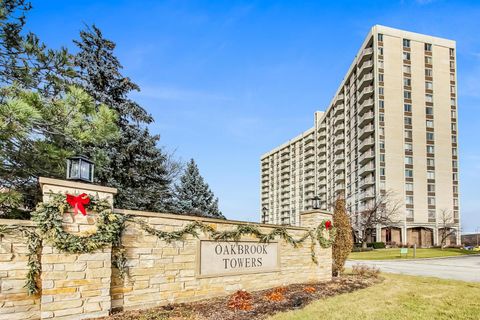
x=390, y=128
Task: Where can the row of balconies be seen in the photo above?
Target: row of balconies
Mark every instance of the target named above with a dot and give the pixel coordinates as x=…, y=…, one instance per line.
x=366, y=53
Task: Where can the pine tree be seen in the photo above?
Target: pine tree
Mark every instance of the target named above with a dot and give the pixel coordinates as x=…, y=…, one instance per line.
x=134, y=163
x=194, y=196
x=342, y=246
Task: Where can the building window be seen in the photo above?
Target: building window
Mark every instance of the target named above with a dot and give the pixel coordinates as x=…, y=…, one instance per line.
x=382, y=172
x=382, y=157
x=429, y=98
x=409, y=213
x=381, y=117
x=431, y=187
x=407, y=82
x=408, y=134
x=452, y=89
x=428, y=60
x=380, y=50
x=406, y=43
x=380, y=37
x=406, y=56
x=407, y=107
x=431, y=201
x=380, y=91
x=454, y=151
x=430, y=149
x=408, y=121
x=430, y=162
x=455, y=163
x=381, y=104
x=454, y=139
x=431, y=214
x=452, y=64
x=452, y=52
x=429, y=135
x=407, y=69
x=380, y=77
x=452, y=76
x=409, y=173
x=408, y=147
x=409, y=199
x=455, y=176
x=431, y=175
x=428, y=47
x=409, y=186
x=455, y=189
x=428, y=72
x=428, y=85
x=408, y=160
x=429, y=110
x=407, y=95
x=452, y=102
x=429, y=123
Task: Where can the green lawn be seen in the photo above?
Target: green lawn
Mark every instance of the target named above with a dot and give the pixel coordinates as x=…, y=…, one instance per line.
x=386, y=254
x=398, y=297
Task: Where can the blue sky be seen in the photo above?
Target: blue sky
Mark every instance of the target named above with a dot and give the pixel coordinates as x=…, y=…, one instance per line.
x=228, y=80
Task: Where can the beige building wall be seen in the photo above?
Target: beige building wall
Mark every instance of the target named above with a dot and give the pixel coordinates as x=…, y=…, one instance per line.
x=399, y=91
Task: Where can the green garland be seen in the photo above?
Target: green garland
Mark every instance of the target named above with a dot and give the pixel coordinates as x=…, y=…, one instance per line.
x=49, y=219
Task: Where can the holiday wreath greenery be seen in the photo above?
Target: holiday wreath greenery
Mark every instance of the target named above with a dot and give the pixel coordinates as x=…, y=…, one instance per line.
x=49, y=219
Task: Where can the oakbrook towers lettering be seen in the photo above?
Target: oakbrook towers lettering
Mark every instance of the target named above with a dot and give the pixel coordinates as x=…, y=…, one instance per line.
x=237, y=257
x=241, y=248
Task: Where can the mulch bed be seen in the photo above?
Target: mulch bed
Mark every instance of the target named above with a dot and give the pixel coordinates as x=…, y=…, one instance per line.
x=292, y=297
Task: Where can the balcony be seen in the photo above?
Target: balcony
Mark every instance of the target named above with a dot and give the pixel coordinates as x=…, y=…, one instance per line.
x=322, y=141
x=340, y=99
x=339, y=158
x=308, y=139
x=365, y=93
x=338, y=129
x=339, y=148
x=367, y=117
x=365, y=80
x=339, y=109
x=339, y=177
x=367, y=194
x=309, y=168
x=284, y=152
x=322, y=150
x=365, y=106
x=366, y=181
x=366, y=156
x=338, y=119
x=322, y=159
x=322, y=127
x=339, y=187
x=367, y=130
x=365, y=67
x=366, y=169
x=338, y=169
x=309, y=145
x=367, y=143
x=322, y=182
x=339, y=139
x=366, y=53
x=285, y=164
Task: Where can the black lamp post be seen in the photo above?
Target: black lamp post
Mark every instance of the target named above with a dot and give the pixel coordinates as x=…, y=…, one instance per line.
x=316, y=202
x=264, y=216
x=80, y=168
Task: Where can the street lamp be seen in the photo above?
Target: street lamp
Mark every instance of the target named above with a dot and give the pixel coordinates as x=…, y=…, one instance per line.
x=264, y=211
x=316, y=202
x=80, y=168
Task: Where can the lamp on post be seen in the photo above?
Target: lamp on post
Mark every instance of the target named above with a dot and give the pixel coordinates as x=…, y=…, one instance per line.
x=80, y=168
x=264, y=214
x=316, y=202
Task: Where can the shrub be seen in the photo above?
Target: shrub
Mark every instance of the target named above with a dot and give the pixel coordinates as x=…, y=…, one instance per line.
x=342, y=246
x=240, y=300
x=276, y=294
x=376, y=245
x=365, y=271
x=309, y=289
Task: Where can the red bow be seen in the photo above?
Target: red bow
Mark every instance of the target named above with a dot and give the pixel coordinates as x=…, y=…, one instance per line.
x=328, y=224
x=78, y=202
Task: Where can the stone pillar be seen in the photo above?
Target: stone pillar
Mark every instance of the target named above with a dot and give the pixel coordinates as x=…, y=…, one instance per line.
x=75, y=286
x=312, y=218
x=435, y=236
x=378, y=233
x=404, y=235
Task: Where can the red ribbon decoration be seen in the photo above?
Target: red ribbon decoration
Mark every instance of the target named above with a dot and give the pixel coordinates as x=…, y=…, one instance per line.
x=78, y=202
x=328, y=224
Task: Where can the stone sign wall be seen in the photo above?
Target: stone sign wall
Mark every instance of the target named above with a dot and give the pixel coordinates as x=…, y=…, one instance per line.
x=81, y=286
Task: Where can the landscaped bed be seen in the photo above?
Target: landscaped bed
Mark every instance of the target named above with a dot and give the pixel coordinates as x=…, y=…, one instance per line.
x=255, y=305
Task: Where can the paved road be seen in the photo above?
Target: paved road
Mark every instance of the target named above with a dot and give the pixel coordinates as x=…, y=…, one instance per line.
x=466, y=268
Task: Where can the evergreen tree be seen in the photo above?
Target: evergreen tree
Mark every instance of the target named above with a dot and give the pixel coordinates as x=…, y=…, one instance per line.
x=135, y=164
x=194, y=196
x=342, y=246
